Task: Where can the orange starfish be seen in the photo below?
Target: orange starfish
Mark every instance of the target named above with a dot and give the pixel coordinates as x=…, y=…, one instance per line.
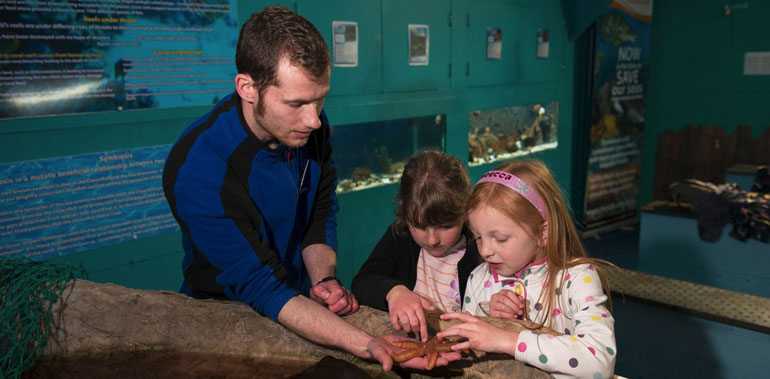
x=431, y=350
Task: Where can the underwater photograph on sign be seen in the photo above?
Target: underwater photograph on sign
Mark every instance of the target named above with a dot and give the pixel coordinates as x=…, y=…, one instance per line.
x=504, y=133
x=77, y=56
x=374, y=153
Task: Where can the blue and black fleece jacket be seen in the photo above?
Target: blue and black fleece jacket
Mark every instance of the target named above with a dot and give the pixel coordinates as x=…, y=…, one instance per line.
x=246, y=211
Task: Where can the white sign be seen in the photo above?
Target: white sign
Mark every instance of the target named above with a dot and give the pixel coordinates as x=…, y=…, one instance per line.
x=494, y=43
x=419, y=45
x=345, y=35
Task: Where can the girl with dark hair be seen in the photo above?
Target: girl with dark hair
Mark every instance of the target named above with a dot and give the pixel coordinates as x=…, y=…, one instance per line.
x=422, y=261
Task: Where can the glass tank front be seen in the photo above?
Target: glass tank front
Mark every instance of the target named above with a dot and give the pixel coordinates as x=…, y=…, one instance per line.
x=504, y=133
x=374, y=153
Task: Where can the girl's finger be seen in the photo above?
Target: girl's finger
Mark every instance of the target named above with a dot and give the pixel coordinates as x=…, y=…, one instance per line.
x=507, y=304
x=502, y=313
x=414, y=322
x=462, y=316
x=459, y=330
x=461, y=346
x=423, y=325
x=406, y=323
x=426, y=304
x=447, y=333
x=394, y=321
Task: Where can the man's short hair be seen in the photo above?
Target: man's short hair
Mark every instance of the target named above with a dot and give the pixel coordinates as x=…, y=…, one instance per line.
x=273, y=33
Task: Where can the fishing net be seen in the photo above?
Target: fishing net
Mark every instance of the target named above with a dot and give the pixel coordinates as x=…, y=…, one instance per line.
x=28, y=291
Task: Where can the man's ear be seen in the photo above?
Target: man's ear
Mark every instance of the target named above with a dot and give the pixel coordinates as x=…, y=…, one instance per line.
x=245, y=88
x=544, y=235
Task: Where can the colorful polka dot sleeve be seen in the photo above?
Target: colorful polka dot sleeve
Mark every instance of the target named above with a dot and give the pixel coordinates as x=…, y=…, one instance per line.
x=586, y=350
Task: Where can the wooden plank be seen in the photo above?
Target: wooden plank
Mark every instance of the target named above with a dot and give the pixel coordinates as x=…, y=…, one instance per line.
x=716, y=304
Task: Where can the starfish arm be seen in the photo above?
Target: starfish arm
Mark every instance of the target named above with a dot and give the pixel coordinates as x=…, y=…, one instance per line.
x=407, y=344
x=407, y=355
x=445, y=347
x=432, y=356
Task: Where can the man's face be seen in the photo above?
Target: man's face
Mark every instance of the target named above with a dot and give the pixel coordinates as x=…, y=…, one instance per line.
x=290, y=108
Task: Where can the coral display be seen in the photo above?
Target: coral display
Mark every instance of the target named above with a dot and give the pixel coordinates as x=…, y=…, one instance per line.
x=374, y=153
x=504, y=133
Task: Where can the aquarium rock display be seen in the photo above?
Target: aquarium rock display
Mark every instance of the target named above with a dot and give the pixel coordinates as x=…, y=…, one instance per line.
x=504, y=133
x=374, y=153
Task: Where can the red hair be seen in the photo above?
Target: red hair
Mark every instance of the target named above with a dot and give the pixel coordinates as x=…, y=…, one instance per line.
x=563, y=246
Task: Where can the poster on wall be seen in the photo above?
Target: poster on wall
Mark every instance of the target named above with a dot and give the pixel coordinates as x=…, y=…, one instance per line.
x=543, y=44
x=621, y=53
x=419, y=45
x=345, y=43
x=85, y=56
x=504, y=133
x=63, y=205
x=494, y=43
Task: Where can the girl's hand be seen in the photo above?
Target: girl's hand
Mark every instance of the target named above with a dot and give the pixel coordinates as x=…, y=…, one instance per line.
x=480, y=335
x=406, y=311
x=506, y=304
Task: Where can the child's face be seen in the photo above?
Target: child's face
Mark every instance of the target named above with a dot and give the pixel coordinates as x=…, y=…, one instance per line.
x=436, y=240
x=503, y=243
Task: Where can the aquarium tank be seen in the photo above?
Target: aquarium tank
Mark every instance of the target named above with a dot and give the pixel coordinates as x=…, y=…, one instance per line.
x=504, y=133
x=374, y=153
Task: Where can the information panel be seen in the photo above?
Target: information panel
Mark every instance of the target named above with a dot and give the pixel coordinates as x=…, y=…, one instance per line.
x=622, y=47
x=62, y=205
x=89, y=56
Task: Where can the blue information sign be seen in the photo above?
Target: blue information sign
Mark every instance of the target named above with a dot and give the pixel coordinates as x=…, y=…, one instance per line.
x=89, y=56
x=62, y=205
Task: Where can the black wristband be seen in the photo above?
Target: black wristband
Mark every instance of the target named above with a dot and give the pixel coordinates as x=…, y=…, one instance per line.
x=328, y=278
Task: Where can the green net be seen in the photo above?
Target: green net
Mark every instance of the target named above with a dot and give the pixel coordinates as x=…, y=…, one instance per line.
x=28, y=291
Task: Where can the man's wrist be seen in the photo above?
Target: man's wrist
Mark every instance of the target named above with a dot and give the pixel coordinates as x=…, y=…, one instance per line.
x=328, y=279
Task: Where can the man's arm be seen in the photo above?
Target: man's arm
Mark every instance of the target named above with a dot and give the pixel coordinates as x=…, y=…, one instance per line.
x=320, y=261
x=315, y=323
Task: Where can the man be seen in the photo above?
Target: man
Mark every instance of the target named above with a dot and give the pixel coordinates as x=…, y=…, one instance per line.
x=252, y=186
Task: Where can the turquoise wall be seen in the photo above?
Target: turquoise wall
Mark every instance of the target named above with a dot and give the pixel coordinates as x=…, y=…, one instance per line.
x=696, y=72
x=656, y=342
x=458, y=80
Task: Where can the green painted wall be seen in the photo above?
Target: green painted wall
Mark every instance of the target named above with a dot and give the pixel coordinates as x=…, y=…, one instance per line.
x=383, y=87
x=696, y=72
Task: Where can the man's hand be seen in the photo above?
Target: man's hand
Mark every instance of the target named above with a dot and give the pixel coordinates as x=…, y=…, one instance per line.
x=406, y=311
x=380, y=348
x=335, y=297
x=506, y=304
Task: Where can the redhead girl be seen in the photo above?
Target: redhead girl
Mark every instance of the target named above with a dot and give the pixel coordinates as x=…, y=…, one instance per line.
x=535, y=269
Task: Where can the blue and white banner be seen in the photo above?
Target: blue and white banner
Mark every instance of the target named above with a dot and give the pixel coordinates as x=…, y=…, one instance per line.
x=622, y=48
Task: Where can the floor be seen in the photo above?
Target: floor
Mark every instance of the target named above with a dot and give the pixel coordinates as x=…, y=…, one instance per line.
x=665, y=342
